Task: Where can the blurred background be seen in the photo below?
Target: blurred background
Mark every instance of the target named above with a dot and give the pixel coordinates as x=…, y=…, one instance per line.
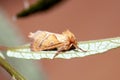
x=88, y=20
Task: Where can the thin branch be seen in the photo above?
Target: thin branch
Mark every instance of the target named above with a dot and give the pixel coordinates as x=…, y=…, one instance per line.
x=15, y=75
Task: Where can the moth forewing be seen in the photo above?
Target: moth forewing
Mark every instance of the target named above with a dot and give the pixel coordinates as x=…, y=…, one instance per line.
x=50, y=42
x=37, y=38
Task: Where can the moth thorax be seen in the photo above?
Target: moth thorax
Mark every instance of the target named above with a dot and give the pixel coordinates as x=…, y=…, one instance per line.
x=70, y=35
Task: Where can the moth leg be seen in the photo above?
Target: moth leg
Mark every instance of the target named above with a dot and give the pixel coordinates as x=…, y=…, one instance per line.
x=58, y=52
x=75, y=45
x=61, y=49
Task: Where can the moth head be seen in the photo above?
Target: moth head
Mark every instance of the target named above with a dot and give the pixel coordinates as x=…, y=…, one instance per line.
x=70, y=36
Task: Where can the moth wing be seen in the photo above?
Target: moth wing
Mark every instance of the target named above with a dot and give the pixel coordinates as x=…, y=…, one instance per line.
x=50, y=42
x=37, y=38
x=43, y=40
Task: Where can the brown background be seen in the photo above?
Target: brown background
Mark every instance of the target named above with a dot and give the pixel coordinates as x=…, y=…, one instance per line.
x=88, y=20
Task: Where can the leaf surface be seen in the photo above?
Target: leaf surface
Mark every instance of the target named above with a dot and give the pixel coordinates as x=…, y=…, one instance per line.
x=92, y=47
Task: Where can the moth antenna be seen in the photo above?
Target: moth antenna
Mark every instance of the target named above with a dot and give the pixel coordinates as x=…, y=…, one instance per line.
x=79, y=48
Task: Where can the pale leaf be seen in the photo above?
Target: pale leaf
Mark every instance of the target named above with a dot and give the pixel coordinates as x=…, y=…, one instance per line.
x=92, y=47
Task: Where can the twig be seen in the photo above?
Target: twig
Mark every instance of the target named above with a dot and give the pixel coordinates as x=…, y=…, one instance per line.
x=15, y=75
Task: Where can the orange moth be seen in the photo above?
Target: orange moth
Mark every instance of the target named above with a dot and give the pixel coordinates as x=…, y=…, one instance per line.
x=43, y=40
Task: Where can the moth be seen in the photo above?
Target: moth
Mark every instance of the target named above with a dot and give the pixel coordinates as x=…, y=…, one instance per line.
x=43, y=40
